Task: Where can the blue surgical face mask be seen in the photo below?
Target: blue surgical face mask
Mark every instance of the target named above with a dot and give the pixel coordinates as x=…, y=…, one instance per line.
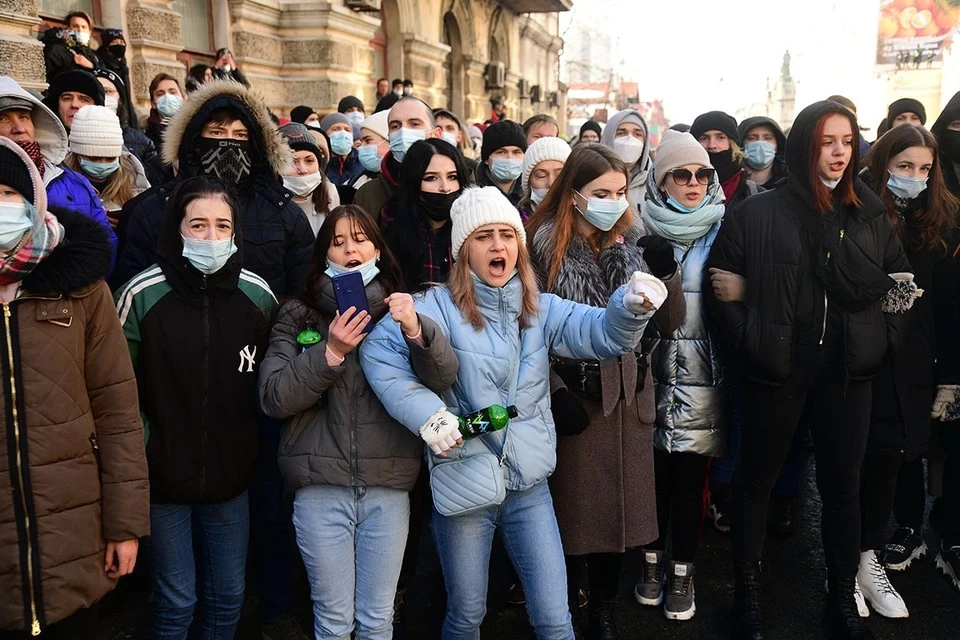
x=356, y=118
x=682, y=209
x=368, y=157
x=208, y=256
x=505, y=169
x=760, y=153
x=368, y=270
x=168, y=105
x=537, y=195
x=341, y=142
x=15, y=220
x=904, y=187
x=99, y=170
x=402, y=139
x=603, y=213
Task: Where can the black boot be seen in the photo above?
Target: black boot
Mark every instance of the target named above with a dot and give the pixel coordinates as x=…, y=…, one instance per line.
x=602, y=625
x=575, y=617
x=747, y=617
x=842, y=618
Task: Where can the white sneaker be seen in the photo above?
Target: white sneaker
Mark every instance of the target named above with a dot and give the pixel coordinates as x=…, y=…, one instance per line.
x=877, y=589
x=862, y=607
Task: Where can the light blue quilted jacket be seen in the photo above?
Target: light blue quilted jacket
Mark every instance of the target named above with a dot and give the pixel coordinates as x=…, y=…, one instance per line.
x=497, y=365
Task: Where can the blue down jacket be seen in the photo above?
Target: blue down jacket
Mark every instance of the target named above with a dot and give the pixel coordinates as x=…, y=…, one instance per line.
x=499, y=364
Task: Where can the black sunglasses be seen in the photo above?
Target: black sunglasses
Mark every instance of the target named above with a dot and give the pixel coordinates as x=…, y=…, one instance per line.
x=682, y=177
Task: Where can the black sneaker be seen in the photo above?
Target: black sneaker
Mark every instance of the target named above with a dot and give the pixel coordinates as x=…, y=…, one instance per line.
x=285, y=627
x=515, y=596
x=948, y=562
x=904, y=547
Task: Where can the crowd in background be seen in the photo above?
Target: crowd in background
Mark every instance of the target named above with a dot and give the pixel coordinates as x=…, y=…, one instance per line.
x=660, y=325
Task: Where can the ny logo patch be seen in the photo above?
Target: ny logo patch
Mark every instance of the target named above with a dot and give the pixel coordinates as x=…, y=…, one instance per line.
x=246, y=358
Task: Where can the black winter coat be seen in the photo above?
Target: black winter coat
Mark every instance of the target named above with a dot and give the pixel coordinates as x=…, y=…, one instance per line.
x=196, y=342
x=277, y=238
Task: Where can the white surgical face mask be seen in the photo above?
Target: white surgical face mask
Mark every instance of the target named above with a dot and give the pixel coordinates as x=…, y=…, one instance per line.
x=14, y=222
x=208, y=256
x=449, y=137
x=830, y=184
x=111, y=102
x=83, y=37
x=303, y=185
x=628, y=148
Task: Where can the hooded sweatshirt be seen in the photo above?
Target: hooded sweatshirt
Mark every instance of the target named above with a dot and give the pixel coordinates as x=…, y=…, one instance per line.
x=66, y=188
x=949, y=142
x=638, y=173
x=277, y=238
x=779, y=163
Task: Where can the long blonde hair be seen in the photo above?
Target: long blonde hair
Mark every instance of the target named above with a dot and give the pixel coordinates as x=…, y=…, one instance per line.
x=119, y=186
x=460, y=285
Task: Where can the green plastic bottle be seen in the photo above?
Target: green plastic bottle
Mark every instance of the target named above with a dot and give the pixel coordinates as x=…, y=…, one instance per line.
x=493, y=418
x=308, y=337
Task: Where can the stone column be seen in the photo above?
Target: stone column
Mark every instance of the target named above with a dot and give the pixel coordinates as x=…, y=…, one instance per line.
x=423, y=63
x=154, y=39
x=21, y=54
x=477, y=97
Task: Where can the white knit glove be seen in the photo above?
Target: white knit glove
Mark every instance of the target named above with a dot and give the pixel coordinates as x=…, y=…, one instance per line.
x=945, y=402
x=641, y=289
x=441, y=431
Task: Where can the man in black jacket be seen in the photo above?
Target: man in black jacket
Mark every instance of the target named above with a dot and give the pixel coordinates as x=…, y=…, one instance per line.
x=224, y=130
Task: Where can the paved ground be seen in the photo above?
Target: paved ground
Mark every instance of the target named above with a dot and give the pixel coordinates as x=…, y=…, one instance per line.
x=793, y=584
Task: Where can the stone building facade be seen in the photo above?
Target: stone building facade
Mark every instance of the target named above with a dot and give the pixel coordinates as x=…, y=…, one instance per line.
x=458, y=53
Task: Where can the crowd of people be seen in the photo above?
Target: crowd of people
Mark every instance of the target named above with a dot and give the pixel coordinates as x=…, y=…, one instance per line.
x=186, y=364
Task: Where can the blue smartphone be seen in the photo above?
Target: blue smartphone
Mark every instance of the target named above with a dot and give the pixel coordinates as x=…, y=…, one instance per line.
x=350, y=292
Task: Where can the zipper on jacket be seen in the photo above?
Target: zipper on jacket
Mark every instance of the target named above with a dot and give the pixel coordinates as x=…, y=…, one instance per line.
x=20, y=476
x=96, y=454
x=205, y=373
x=826, y=307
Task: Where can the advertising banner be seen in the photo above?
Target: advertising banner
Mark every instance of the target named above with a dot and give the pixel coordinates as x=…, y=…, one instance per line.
x=913, y=33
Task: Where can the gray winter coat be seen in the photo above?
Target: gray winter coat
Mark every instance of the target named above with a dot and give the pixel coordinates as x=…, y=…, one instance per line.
x=338, y=433
x=691, y=385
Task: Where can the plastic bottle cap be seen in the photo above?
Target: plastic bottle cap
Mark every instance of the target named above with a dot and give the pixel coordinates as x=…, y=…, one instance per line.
x=512, y=411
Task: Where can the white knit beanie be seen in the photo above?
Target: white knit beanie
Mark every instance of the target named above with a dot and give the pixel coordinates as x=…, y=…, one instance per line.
x=676, y=150
x=378, y=123
x=477, y=207
x=543, y=149
x=96, y=133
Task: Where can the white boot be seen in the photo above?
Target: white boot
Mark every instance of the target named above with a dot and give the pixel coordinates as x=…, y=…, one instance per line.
x=877, y=589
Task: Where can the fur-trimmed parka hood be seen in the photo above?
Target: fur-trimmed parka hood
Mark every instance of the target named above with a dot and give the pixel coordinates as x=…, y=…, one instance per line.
x=270, y=154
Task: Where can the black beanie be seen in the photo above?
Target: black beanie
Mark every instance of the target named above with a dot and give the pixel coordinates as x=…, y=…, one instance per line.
x=14, y=174
x=299, y=138
x=74, y=80
x=715, y=121
x=301, y=113
x=350, y=102
x=498, y=135
x=906, y=105
x=590, y=125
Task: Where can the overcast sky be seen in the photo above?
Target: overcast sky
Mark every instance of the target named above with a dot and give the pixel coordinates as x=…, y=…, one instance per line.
x=699, y=55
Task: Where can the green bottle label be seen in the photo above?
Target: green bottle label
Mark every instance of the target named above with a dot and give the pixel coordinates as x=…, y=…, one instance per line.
x=309, y=337
x=493, y=418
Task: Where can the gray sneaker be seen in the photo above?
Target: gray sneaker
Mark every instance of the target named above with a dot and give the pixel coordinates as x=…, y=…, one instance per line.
x=649, y=589
x=679, y=602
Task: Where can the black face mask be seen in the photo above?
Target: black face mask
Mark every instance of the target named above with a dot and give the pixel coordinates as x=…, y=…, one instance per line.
x=436, y=206
x=228, y=160
x=117, y=50
x=723, y=162
x=950, y=144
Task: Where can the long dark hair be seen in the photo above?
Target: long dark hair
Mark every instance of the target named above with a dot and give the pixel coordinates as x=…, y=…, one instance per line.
x=587, y=162
x=405, y=207
x=939, y=217
x=361, y=222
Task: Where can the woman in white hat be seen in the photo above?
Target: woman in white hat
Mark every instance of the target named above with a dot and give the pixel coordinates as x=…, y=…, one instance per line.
x=541, y=165
x=96, y=151
x=503, y=333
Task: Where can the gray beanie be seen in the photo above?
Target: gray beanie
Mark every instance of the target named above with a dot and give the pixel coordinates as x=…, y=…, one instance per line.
x=332, y=119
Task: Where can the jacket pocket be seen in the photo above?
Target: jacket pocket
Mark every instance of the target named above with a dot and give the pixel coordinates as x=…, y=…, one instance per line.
x=95, y=446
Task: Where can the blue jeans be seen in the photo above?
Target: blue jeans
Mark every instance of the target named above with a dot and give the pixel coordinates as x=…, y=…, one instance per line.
x=352, y=541
x=528, y=526
x=220, y=531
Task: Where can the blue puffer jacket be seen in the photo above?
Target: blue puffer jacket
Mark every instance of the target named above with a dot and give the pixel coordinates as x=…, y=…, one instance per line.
x=70, y=190
x=498, y=365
